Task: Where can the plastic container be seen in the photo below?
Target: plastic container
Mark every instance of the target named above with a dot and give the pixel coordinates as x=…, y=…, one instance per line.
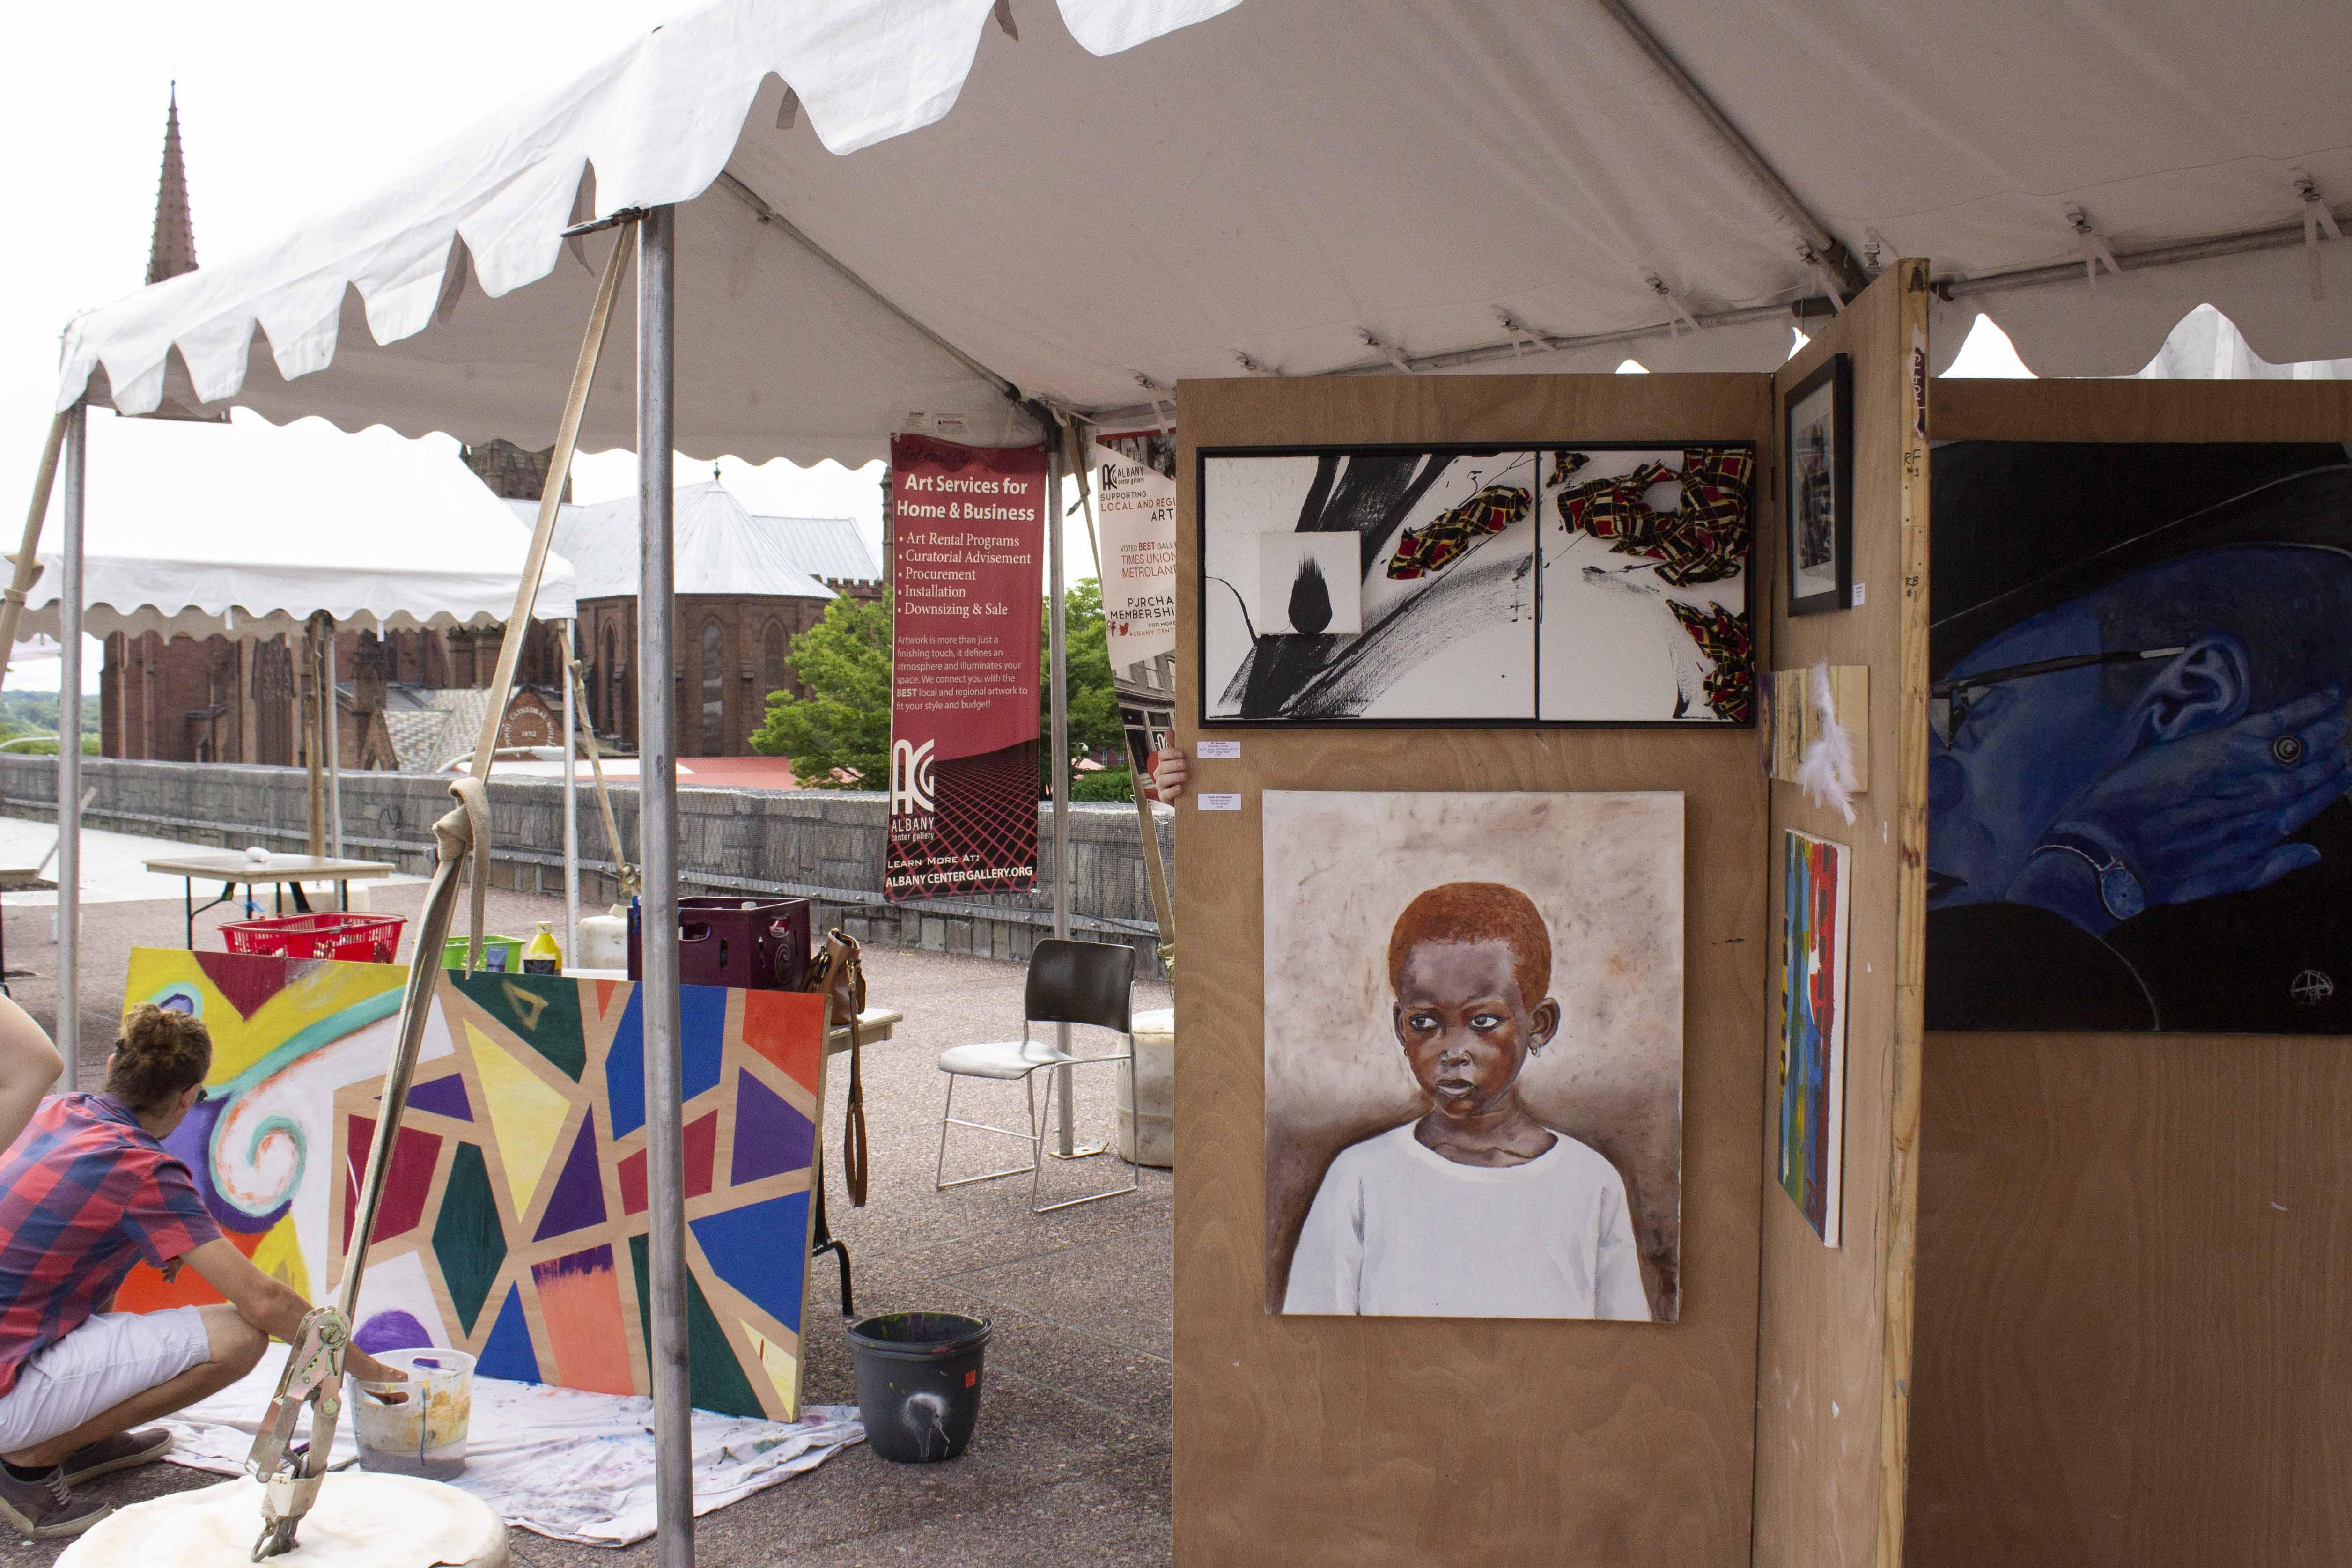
x=416, y=1428
x=330, y=933
x=500, y=955
x=545, y=954
x=749, y=944
x=918, y=1382
x=603, y=941
x=1148, y=1136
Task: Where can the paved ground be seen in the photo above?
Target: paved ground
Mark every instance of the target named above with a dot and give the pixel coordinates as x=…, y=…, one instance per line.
x=1070, y=1465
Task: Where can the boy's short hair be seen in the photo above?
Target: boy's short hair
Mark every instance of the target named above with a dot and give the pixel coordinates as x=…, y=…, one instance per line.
x=1477, y=912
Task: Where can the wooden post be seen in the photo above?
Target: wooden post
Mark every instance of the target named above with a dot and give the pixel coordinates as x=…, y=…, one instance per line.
x=1899, y=1248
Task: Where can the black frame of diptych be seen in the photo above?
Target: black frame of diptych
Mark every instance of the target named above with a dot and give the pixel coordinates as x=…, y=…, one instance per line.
x=1536, y=444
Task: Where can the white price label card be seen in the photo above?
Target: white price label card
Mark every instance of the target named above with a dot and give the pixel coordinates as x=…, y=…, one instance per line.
x=1220, y=750
x=1215, y=801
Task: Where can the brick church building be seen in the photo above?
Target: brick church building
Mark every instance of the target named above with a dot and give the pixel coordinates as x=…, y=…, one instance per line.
x=746, y=587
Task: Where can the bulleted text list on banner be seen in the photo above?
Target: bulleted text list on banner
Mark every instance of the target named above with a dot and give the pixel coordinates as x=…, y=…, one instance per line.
x=967, y=589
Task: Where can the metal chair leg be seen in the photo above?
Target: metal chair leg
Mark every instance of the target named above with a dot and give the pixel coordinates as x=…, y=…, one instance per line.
x=1035, y=1137
x=1134, y=1173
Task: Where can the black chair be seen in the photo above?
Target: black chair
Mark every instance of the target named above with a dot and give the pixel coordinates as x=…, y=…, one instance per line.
x=1090, y=983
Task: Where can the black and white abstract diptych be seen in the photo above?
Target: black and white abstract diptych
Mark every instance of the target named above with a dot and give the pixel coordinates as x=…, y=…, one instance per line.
x=1545, y=584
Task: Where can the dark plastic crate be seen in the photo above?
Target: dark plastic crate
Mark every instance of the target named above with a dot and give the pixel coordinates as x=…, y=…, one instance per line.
x=749, y=944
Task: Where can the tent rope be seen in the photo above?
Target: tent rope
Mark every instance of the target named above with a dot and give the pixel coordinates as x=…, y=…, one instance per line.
x=625, y=870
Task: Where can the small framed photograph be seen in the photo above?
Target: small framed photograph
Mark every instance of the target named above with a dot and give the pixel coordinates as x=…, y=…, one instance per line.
x=1817, y=458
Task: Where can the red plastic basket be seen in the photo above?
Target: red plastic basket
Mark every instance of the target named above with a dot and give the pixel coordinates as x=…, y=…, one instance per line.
x=357, y=938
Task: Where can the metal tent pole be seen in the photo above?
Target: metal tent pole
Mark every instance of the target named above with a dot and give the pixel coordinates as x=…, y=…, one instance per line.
x=1064, y=1122
x=68, y=1020
x=570, y=808
x=333, y=719
x=657, y=831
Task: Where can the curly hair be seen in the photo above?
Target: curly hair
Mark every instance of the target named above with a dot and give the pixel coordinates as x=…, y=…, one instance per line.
x=160, y=1053
x=1477, y=912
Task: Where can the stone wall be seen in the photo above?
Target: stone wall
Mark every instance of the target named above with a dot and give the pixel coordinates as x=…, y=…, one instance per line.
x=823, y=845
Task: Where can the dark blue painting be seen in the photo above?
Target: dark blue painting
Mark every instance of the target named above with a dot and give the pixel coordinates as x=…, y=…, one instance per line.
x=2138, y=771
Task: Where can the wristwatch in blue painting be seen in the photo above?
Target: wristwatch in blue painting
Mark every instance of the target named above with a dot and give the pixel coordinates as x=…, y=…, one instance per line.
x=2120, y=891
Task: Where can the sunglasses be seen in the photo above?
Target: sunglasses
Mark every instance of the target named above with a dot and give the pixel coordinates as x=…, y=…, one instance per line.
x=1949, y=701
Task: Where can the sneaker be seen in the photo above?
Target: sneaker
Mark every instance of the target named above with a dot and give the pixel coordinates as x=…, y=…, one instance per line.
x=46, y=1508
x=123, y=1451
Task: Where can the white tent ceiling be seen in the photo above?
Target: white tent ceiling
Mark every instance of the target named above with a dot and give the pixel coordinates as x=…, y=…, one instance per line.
x=247, y=529
x=1151, y=188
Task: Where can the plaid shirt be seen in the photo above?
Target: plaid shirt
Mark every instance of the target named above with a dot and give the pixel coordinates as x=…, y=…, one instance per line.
x=85, y=1193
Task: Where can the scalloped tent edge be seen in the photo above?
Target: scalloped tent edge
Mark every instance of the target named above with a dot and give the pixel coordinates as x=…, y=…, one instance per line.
x=892, y=257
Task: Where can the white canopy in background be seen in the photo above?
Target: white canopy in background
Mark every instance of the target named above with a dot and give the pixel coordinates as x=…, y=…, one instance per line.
x=720, y=547
x=1152, y=188
x=247, y=529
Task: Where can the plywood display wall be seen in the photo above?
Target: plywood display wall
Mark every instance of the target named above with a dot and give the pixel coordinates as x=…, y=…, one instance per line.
x=1834, y=1331
x=1369, y=1441
x=2132, y=1320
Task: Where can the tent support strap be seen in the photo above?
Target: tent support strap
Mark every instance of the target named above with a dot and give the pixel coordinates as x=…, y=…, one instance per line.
x=570, y=810
x=27, y=556
x=657, y=831
x=76, y=488
x=331, y=696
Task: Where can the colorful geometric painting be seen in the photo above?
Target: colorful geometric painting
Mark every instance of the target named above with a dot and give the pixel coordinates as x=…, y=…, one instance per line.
x=1813, y=1028
x=513, y=1219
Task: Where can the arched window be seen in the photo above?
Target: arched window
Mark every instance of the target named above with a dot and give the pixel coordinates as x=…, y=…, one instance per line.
x=771, y=658
x=714, y=690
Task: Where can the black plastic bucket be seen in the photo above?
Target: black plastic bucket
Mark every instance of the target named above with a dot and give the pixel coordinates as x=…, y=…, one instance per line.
x=918, y=1382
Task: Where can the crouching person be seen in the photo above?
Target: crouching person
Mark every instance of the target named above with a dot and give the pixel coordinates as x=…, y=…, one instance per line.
x=87, y=1191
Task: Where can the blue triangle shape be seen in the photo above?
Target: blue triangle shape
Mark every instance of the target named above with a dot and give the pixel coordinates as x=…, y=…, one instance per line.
x=761, y=1250
x=507, y=1352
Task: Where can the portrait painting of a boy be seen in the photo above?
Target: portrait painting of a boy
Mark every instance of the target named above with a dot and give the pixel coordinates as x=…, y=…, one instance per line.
x=1473, y=1054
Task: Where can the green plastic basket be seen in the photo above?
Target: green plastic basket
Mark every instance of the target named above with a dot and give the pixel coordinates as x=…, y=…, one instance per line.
x=500, y=955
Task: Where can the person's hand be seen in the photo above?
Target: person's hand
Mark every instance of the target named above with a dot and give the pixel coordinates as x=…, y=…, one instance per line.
x=2210, y=814
x=1168, y=774
x=172, y=1270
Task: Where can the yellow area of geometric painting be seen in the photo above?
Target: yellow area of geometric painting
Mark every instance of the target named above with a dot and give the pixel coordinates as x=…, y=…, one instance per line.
x=527, y=1116
x=782, y=1369
x=279, y=1256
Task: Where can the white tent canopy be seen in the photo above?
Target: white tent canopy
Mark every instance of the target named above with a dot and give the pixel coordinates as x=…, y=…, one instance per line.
x=720, y=547
x=247, y=529
x=1319, y=185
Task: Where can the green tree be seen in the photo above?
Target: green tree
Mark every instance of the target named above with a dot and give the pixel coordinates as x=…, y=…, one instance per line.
x=838, y=737
x=1094, y=704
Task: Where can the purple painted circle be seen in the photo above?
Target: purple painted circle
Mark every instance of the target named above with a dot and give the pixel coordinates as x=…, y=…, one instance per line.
x=391, y=1331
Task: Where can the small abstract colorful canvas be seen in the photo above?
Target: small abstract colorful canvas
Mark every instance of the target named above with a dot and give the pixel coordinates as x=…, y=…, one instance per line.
x=1813, y=1028
x=513, y=1219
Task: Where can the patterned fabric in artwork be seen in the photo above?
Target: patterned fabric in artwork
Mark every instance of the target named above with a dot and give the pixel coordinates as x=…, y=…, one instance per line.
x=1445, y=539
x=1723, y=638
x=513, y=1220
x=1705, y=539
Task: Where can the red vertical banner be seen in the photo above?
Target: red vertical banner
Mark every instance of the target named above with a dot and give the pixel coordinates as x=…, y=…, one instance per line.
x=967, y=586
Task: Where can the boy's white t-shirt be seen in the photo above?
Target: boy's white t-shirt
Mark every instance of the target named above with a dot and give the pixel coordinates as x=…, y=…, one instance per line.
x=1398, y=1230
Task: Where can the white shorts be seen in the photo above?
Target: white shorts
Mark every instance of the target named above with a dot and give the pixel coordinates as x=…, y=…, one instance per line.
x=106, y=1360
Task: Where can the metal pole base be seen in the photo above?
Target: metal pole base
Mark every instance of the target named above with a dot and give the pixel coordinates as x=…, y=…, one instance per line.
x=1079, y=1152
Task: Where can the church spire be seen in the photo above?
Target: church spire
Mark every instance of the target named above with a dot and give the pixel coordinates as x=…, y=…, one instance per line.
x=173, y=251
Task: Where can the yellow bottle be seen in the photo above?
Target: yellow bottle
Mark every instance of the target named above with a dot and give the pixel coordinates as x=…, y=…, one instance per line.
x=544, y=955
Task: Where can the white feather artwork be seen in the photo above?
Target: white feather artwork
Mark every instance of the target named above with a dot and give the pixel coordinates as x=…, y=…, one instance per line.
x=1825, y=773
